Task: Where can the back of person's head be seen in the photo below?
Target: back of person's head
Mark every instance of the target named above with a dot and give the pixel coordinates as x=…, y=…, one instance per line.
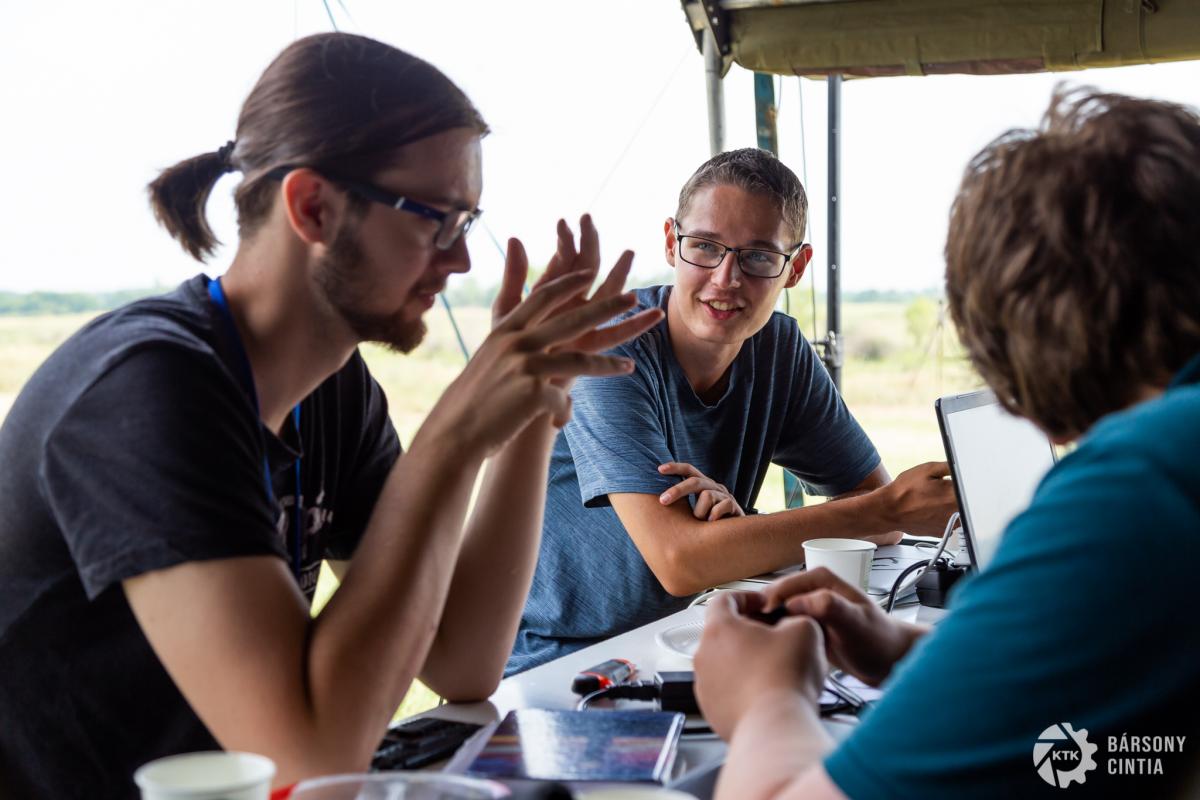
x=755, y=171
x=1073, y=257
x=335, y=102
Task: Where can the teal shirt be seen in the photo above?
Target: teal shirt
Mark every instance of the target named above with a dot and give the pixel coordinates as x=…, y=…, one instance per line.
x=1085, y=616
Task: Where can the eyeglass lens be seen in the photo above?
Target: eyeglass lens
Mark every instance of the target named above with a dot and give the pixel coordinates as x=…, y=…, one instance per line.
x=455, y=224
x=759, y=263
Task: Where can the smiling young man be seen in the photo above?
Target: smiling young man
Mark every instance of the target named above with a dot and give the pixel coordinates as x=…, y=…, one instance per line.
x=173, y=476
x=724, y=387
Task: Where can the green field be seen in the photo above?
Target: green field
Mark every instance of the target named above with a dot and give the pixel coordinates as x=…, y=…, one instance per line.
x=898, y=361
x=894, y=370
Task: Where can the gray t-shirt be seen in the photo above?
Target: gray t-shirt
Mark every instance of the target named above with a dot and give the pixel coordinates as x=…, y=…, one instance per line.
x=780, y=406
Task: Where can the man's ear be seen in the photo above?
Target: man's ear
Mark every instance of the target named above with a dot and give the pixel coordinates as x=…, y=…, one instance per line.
x=798, y=264
x=669, y=247
x=311, y=205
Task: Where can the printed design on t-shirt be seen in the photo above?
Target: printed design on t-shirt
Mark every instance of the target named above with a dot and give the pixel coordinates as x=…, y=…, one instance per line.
x=317, y=520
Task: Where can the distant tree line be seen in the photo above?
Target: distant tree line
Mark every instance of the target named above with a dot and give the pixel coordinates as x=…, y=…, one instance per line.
x=889, y=295
x=38, y=303
x=467, y=293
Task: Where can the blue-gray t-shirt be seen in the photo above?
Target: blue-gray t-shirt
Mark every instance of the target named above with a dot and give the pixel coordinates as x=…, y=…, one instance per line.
x=1083, y=618
x=780, y=406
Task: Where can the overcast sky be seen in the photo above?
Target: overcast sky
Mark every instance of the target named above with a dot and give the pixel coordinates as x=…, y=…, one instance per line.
x=594, y=106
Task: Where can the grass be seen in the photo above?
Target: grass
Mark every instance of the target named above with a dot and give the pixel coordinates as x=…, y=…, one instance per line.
x=896, y=365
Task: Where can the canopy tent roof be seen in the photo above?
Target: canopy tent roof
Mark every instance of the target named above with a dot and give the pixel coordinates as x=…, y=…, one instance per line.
x=867, y=38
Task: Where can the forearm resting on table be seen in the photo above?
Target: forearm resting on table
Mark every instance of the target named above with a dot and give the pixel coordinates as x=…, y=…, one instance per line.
x=776, y=752
x=688, y=555
x=313, y=694
x=495, y=568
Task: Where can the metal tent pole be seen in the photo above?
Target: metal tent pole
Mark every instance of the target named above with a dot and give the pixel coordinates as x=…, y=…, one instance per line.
x=833, y=342
x=716, y=93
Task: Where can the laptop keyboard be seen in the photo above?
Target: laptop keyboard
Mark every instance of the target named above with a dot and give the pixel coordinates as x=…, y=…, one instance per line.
x=420, y=742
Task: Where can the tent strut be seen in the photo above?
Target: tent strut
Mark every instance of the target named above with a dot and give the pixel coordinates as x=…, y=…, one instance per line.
x=716, y=93
x=832, y=346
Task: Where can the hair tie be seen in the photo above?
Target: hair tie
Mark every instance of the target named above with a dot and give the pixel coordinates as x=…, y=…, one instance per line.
x=225, y=154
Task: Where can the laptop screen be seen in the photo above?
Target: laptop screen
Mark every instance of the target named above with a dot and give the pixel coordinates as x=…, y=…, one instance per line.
x=997, y=461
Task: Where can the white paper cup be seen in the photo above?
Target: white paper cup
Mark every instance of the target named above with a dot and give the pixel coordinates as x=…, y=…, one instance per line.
x=849, y=559
x=207, y=776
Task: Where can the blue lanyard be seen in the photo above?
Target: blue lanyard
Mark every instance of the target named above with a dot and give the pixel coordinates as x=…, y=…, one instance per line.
x=217, y=294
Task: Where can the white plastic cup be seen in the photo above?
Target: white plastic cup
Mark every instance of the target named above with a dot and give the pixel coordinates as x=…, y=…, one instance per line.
x=636, y=793
x=849, y=559
x=398, y=786
x=212, y=775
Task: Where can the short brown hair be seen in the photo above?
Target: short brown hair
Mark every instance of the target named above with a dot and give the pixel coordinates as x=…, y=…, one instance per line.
x=1073, y=257
x=333, y=101
x=756, y=171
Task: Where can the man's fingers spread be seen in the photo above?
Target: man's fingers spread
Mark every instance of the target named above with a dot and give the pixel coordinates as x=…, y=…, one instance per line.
x=545, y=298
x=516, y=269
x=617, y=276
x=607, y=338
x=571, y=364
x=553, y=270
x=571, y=324
x=555, y=266
x=589, y=244
x=703, y=505
x=566, y=244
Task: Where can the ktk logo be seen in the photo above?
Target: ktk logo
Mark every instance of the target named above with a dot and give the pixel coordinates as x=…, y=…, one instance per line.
x=1063, y=755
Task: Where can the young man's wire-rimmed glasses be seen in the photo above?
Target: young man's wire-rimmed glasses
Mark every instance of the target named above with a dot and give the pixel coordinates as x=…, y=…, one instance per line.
x=451, y=224
x=753, y=261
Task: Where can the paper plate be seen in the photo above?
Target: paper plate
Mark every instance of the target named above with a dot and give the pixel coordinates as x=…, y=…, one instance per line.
x=682, y=639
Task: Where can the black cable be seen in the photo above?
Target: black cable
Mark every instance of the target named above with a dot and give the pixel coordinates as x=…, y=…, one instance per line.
x=641, y=690
x=911, y=568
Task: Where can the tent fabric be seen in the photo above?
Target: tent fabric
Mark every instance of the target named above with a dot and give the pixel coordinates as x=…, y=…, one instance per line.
x=867, y=38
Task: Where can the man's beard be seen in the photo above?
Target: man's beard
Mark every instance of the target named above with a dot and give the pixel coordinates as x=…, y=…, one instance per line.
x=340, y=278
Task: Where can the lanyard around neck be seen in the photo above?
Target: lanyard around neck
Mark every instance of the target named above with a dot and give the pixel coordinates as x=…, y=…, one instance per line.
x=217, y=294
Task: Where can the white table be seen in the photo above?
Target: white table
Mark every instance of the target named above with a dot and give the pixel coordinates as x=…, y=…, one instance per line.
x=549, y=686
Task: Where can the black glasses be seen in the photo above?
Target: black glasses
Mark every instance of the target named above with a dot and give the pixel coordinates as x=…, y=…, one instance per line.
x=753, y=261
x=451, y=224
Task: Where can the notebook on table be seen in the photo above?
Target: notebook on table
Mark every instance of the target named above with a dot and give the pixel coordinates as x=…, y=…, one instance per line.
x=553, y=745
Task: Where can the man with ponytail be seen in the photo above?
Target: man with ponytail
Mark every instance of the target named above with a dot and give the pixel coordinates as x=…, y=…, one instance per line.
x=173, y=476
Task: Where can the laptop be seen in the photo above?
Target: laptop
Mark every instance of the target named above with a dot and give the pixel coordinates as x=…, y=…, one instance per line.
x=997, y=461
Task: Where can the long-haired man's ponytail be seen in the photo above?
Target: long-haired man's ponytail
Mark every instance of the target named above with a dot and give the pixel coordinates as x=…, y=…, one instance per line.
x=337, y=102
x=179, y=196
